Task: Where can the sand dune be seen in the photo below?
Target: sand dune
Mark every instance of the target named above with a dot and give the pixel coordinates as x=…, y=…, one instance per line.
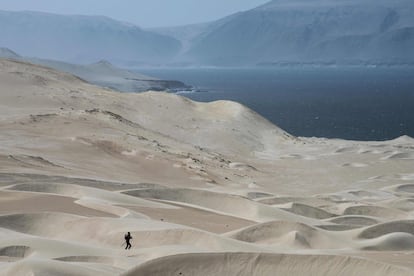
x=391, y=242
x=375, y=231
x=41, y=203
x=16, y=251
x=262, y=264
x=280, y=233
x=204, y=188
x=309, y=211
x=408, y=188
x=405, y=204
x=194, y=217
x=355, y=220
x=403, y=156
x=276, y=200
x=222, y=203
x=38, y=267
x=374, y=211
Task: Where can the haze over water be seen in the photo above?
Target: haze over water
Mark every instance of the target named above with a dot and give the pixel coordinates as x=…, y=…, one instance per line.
x=349, y=103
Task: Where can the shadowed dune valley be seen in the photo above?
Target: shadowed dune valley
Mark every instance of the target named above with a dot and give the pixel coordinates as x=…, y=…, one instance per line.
x=203, y=188
x=207, y=138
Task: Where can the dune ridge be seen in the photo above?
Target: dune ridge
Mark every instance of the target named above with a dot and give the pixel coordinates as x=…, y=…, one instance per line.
x=262, y=264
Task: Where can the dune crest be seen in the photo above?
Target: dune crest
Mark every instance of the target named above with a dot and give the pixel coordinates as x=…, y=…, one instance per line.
x=262, y=264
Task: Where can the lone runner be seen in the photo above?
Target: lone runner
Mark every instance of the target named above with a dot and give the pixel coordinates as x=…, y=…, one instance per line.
x=128, y=237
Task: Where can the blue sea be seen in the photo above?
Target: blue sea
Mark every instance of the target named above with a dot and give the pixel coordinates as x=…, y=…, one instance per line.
x=356, y=103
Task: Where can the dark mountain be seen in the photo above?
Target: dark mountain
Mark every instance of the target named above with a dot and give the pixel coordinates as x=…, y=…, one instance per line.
x=342, y=31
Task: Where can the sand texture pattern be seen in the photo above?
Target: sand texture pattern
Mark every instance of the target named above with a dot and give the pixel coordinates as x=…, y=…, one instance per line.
x=204, y=188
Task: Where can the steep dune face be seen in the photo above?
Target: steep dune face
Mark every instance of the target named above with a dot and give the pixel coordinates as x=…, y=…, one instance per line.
x=204, y=188
x=224, y=126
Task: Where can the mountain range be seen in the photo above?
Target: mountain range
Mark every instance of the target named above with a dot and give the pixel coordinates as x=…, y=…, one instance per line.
x=82, y=39
x=342, y=31
x=297, y=31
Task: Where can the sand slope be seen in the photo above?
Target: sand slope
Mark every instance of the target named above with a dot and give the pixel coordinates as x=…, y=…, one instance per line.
x=263, y=264
x=204, y=188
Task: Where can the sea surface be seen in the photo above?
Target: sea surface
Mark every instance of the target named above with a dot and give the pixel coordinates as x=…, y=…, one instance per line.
x=354, y=103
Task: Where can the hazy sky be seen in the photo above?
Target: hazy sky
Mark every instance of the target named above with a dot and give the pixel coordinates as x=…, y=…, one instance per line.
x=145, y=13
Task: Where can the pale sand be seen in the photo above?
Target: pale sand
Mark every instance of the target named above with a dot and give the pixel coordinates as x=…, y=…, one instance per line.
x=24, y=203
x=204, y=188
x=193, y=217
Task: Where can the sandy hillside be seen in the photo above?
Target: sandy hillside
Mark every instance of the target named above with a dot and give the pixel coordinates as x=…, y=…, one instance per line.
x=204, y=188
x=104, y=74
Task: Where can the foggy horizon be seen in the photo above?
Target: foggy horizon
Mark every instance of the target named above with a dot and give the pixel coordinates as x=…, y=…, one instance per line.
x=145, y=14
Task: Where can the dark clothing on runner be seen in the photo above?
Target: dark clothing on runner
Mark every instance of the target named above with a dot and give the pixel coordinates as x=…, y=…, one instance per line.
x=128, y=237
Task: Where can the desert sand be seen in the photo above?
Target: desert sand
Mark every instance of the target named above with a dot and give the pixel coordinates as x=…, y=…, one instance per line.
x=204, y=188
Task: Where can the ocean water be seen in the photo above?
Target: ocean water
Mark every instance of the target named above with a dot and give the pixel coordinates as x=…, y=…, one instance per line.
x=349, y=103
